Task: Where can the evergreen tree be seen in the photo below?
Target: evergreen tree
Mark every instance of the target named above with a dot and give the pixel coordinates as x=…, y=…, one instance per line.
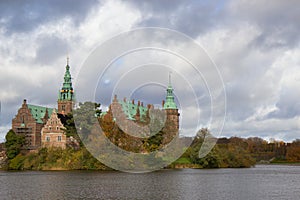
x=13, y=144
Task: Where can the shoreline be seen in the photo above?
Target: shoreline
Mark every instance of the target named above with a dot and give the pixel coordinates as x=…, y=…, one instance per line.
x=60, y=169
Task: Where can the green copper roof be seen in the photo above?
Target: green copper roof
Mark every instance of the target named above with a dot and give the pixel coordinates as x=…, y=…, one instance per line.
x=66, y=92
x=38, y=112
x=130, y=110
x=67, y=85
x=170, y=103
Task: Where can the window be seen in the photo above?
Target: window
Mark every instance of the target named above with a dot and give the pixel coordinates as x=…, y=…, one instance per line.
x=63, y=107
x=48, y=138
x=59, y=138
x=57, y=128
x=50, y=128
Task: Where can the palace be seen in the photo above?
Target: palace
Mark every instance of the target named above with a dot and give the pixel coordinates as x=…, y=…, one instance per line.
x=43, y=126
x=129, y=110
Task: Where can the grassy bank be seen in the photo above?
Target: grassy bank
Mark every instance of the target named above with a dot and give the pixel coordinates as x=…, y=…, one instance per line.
x=55, y=159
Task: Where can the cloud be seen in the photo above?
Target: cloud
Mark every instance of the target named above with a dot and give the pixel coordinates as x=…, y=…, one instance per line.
x=255, y=44
x=50, y=48
x=277, y=20
x=190, y=17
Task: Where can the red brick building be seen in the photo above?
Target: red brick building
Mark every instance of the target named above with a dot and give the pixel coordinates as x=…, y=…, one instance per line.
x=123, y=111
x=30, y=119
x=53, y=133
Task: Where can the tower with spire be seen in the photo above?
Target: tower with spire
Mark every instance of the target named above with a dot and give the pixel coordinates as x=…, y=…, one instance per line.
x=171, y=127
x=66, y=94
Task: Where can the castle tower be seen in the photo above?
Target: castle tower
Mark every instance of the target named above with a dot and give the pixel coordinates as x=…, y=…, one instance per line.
x=172, y=122
x=66, y=94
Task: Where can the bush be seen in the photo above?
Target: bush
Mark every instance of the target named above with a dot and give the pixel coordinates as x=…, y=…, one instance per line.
x=17, y=162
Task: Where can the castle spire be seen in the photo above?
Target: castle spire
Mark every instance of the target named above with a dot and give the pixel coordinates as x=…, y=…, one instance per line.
x=170, y=102
x=66, y=94
x=67, y=85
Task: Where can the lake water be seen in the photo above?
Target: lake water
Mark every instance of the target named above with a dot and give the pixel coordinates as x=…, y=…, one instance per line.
x=262, y=182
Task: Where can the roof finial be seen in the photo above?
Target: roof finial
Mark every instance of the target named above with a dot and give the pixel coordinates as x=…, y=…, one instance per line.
x=170, y=77
x=68, y=59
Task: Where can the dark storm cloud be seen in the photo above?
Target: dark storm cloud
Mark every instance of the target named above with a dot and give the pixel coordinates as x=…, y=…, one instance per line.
x=190, y=17
x=26, y=15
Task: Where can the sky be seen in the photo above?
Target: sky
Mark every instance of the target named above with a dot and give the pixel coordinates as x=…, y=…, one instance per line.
x=254, y=44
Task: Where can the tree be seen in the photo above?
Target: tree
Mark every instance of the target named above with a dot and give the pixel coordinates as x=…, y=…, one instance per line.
x=86, y=116
x=293, y=152
x=13, y=144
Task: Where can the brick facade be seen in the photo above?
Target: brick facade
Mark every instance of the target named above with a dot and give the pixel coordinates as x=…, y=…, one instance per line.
x=26, y=124
x=52, y=134
x=171, y=128
x=65, y=106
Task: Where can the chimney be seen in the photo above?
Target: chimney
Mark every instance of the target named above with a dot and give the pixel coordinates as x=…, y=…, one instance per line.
x=133, y=101
x=142, y=104
x=139, y=103
x=163, y=103
x=24, y=101
x=124, y=99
